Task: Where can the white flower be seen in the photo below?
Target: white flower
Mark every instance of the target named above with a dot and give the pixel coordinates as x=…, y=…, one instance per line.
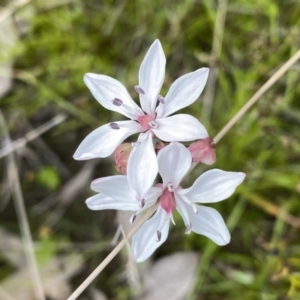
x=151, y=118
x=215, y=185
x=132, y=192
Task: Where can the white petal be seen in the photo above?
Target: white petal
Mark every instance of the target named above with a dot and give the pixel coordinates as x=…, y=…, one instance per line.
x=151, y=76
x=174, y=161
x=144, y=242
x=104, y=140
x=213, y=186
x=115, y=187
x=210, y=223
x=179, y=128
x=183, y=92
x=142, y=167
x=105, y=89
x=100, y=202
x=152, y=195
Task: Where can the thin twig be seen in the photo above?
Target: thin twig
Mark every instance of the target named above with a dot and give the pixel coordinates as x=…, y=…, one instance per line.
x=112, y=254
x=13, y=146
x=257, y=95
x=16, y=191
x=273, y=209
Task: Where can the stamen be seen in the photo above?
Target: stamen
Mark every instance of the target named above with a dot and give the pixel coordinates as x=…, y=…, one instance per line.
x=172, y=219
x=132, y=219
x=117, y=102
x=139, y=90
x=161, y=99
x=142, y=204
x=114, y=125
x=170, y=187
x=188, y=228
x=194, y=207
x=153, y=124
x=158, y=236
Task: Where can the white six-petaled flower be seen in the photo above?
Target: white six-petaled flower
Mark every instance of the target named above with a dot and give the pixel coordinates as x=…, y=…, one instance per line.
x=134, y=192
x=174, y=161
x=154, y=117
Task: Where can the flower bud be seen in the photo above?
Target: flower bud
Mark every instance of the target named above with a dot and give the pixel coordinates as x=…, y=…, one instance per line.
x=121, y=157
x=203, y=151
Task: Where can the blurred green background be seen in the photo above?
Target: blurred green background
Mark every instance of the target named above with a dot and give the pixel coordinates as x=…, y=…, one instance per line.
x=47, y=47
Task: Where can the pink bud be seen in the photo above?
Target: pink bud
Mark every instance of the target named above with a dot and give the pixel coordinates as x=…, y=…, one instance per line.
x=203, y=151
x=121, y=157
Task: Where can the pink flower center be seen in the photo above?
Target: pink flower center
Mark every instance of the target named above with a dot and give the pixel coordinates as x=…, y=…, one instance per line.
x=167, y=201
x=146, y=121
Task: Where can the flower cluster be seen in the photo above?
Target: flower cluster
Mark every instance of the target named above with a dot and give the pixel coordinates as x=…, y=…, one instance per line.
x=158, y=150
